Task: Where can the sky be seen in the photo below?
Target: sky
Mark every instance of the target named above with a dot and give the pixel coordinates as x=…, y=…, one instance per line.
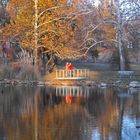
x=96, y=2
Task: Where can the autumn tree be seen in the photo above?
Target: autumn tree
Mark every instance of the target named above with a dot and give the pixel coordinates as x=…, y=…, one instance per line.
x=51, y=32
x=68, y=28
x=131, y=20
x=107, y=25
x=99, y=28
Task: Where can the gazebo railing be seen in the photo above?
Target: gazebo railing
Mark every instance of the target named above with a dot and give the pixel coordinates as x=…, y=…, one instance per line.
x=72, y=74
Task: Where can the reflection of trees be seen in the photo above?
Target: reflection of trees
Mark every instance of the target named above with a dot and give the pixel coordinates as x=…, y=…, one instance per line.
x=103, y=106
x=15, y=98
x=134, y=110
x=60, y=121
x=41, y=115
x=127, y=103
x=100, y=108
x=136, y=104
x=15, y=103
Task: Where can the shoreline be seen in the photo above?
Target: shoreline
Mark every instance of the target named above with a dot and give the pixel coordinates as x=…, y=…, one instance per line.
x=90, y=83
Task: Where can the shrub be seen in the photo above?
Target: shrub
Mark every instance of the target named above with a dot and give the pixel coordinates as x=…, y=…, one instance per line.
x=7, y=72
x=29, y=72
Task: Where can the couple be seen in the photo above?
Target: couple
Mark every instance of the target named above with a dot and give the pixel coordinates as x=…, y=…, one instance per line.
x=69, y=66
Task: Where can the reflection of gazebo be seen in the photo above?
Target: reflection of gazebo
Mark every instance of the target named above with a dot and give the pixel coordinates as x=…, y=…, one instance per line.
x=72, y=90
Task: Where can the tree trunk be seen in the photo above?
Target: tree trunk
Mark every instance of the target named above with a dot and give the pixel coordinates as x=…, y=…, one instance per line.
x=35, y=30
x=120, y=119
x=119, y=38
x=44, y=64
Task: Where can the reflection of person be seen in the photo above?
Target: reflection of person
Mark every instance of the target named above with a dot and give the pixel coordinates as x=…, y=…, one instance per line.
x=68, y=99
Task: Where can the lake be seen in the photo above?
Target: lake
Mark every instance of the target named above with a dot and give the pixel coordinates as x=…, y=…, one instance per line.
x=69, y=113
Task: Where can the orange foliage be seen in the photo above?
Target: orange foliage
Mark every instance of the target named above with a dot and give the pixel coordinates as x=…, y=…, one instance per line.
x=54, y=29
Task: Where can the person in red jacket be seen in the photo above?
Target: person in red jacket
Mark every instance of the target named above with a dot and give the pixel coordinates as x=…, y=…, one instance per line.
x=70, y=69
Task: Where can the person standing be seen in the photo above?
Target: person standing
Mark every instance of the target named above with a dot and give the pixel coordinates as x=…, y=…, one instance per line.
x=71, y=68
x=67, y=66
x=67, y=69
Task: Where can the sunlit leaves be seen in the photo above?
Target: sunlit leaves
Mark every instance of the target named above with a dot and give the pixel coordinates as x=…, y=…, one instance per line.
x=54, y=27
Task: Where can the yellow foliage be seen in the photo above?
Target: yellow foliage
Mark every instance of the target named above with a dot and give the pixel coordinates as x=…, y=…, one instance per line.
x=54, y=31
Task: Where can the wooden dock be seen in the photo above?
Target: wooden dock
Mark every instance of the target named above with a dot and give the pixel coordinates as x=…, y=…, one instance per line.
x=75, y=74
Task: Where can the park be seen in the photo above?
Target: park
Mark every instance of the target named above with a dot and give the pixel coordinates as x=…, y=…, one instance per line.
x=69, y=70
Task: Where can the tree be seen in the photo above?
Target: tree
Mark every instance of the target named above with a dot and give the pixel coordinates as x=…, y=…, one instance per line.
x=131, y=21
x=3, y=14
x=127, y=10
x=119, y=38
x=51, y=25
x=99, y=28
x=57, y=29
x=109, y=25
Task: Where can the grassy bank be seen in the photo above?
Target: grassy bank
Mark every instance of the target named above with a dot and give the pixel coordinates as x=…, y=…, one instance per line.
x=24, y=72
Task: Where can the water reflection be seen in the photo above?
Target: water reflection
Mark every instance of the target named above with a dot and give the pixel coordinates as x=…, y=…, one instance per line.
x=69, y=113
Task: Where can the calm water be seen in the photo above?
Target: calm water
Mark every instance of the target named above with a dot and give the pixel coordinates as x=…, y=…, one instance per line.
x=69, y=113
